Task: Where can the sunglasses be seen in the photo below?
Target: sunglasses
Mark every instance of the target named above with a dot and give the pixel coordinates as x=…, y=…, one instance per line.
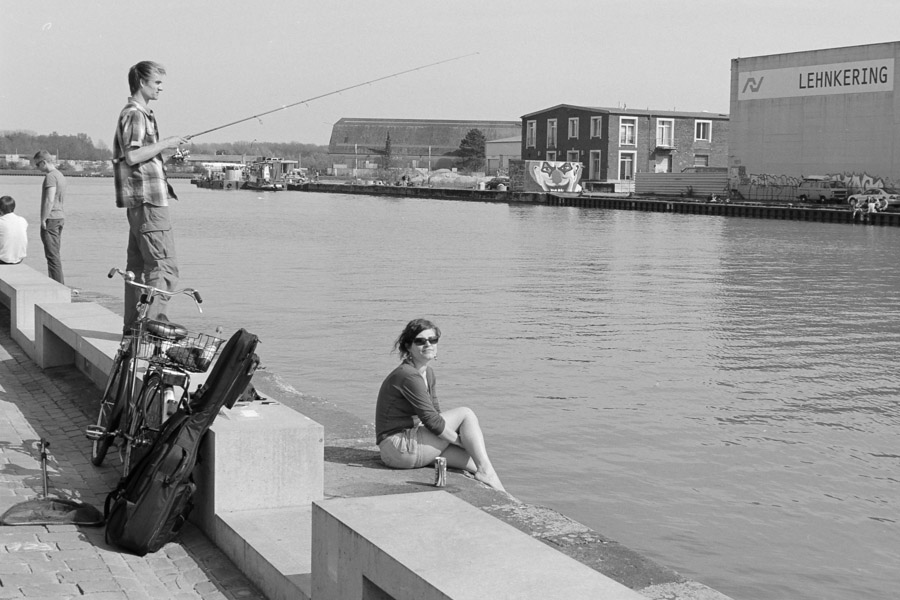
x=423, y=341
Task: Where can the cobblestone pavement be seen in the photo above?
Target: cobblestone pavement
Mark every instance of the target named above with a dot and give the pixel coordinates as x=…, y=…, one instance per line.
x=67, y=561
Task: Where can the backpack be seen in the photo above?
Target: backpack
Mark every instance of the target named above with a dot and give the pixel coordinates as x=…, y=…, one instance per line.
x=149, y=506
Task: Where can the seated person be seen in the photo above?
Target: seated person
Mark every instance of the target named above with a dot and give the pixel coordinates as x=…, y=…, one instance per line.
x=13, y=236
x=410, y=428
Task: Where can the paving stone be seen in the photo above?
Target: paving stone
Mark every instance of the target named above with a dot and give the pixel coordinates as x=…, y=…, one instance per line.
x=28, y=579
x=79, y=576
x=51, y=590
x=99, y=585
x=29, y=547
x=10, y=568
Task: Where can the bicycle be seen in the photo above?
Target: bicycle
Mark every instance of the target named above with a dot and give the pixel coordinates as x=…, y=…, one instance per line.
x=171, y=354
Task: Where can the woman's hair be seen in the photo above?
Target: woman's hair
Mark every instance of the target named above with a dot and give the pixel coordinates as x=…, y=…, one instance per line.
x=142, y=72
x=409, y=333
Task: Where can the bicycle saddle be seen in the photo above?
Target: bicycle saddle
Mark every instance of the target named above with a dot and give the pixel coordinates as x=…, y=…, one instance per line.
x=166, y=330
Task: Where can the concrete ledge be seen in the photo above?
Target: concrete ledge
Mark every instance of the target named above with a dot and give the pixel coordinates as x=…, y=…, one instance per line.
x=433, y=546
x=81, y=333
x=21, y=288
x=273, y=548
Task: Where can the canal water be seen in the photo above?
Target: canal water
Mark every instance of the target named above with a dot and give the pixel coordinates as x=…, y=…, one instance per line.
x=720, y=394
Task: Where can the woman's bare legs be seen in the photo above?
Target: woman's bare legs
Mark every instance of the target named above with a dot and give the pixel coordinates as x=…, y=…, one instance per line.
x=472, y=456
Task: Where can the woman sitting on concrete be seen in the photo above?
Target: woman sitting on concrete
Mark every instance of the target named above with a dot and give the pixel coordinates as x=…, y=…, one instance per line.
x=410, y=428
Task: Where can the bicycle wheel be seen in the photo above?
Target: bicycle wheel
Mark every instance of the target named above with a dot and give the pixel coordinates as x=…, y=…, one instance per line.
x=111, y=407
x=146, y=421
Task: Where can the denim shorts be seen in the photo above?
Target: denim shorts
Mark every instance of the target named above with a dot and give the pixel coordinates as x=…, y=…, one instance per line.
x=408, y=449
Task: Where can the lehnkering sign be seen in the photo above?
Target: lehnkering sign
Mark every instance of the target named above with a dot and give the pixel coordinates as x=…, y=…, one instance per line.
x=818, y=80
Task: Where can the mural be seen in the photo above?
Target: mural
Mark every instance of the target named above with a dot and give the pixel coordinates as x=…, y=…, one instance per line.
x=546, y=176
x=857, y=182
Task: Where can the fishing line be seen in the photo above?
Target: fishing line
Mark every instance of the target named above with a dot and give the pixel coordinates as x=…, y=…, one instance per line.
x=274, y=110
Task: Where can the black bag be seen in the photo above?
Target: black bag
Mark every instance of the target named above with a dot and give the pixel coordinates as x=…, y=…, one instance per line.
x=149, y=507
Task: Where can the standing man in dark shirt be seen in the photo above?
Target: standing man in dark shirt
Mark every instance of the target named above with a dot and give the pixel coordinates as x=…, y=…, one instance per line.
x=143, y=190
x=52, y=214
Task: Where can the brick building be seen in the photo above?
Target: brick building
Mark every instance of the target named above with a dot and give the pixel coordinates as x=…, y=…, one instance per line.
x=615, y=143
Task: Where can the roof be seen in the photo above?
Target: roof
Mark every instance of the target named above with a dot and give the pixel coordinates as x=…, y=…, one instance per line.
x=223, y=158
x=412, y=136
x=633, y=111
x=438, y=122
x=517, y=138
x=818, y=50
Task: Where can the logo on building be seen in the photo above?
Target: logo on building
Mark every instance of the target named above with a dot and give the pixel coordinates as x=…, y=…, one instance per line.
x=752, y=84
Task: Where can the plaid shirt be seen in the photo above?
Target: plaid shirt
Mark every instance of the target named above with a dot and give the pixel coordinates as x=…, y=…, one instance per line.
x=143, y=183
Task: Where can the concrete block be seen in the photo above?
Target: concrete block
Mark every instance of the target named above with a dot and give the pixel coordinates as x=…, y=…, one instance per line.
x=273, y=548
x=434, y=546
x=12, y=275
x=83, y=333
x=259, y=456
x=24, y=297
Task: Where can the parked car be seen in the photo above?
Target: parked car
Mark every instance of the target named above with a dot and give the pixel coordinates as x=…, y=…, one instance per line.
x=822, y=190
x=881, y=197
x=496, y=182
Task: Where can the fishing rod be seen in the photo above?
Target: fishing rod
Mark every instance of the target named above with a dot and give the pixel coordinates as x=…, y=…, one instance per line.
x=268, y=112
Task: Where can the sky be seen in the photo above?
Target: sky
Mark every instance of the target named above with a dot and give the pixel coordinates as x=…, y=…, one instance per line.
x=64, y=64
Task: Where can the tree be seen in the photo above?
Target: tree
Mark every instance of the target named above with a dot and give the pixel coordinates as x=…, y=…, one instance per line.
x=471, y=151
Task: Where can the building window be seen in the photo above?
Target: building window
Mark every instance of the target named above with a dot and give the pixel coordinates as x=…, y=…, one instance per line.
x=665, y=133
x=573, y=156
x=626, y=165
x=596, y=127
x=551, y=155
x=703, y=131
x=701, y=160
x=530, y=134
x=551, y=133
x=573, y=128
x=594, y=167
x=627, y=131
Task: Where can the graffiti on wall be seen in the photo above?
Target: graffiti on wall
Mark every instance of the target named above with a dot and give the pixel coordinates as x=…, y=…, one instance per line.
x=857, y=182
x=766, y=186
x=774, y=180
x=549, y=176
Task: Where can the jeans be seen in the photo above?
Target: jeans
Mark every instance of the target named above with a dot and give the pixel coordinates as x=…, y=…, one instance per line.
x=151, y=257
x=51, y=236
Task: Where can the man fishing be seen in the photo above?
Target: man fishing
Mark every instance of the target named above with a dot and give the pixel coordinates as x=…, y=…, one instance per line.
x=143, y=190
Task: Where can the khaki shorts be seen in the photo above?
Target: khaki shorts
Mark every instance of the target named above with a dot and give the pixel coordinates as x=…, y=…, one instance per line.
x=409, y=449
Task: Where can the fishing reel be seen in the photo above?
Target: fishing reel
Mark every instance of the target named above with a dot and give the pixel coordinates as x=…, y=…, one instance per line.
x=180, y=155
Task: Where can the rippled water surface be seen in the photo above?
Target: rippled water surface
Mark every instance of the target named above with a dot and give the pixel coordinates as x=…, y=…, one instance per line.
x=720, y=394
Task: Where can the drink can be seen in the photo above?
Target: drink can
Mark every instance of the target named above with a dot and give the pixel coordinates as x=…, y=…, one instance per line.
x=440, y=471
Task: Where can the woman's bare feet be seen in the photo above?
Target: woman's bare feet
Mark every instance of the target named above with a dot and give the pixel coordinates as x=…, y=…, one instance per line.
x=490, y=479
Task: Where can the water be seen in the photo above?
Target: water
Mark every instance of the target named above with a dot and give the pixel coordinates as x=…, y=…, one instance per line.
x=719, y=394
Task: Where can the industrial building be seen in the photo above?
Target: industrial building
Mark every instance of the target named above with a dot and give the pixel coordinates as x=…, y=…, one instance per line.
x=498, y=153
x=414, y=143
x=614, y=144
x=830, y=112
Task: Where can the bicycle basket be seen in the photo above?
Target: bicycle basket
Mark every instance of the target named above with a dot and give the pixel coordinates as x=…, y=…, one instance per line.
x=195, y=352
x=151, y=346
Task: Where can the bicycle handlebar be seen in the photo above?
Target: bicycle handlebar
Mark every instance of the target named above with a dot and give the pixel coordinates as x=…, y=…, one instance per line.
x=129, y=278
